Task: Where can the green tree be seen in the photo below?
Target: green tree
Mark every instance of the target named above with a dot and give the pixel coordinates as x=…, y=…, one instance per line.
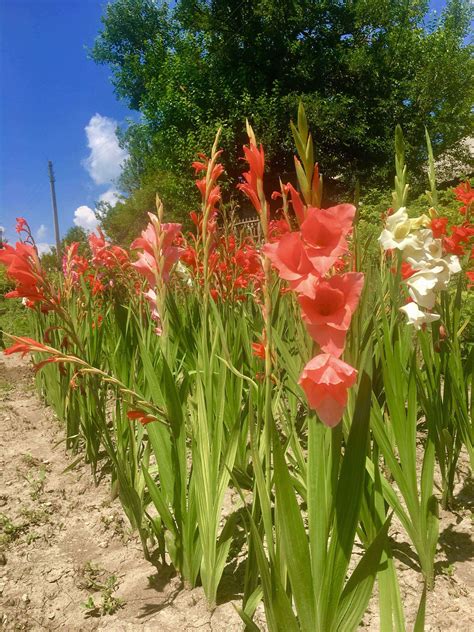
x=360, y=67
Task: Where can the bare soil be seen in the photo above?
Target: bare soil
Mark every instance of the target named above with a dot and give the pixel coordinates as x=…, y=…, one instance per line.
x=68, y=558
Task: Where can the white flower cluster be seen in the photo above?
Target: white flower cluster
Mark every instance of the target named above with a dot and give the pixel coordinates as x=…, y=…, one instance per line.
x=423, y=253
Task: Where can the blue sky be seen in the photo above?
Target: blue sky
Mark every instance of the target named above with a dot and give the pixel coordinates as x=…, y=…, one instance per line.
x=50, y=93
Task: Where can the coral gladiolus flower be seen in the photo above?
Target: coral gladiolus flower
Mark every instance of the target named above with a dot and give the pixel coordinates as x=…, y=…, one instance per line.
x=256, y=160
x=324, y=233
x=141, y=416
x=297, y=203
x=25, y=345
x=20, y=224
x=325, y=381
x=258, y=350
x=156, y=242
x=290, y=259
x=328, y=315
x=24, y=268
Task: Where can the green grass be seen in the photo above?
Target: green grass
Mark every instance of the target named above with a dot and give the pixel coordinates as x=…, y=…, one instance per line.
x=14, y=319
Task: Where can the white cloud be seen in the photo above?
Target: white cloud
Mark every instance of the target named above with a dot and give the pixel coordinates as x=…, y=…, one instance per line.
x=85, y=218
x=43, y=248
x=105, y=160
x=111, y=196
x=41, y=232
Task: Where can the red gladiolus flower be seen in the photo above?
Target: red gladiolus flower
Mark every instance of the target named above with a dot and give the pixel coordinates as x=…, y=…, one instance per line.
x=290, y=258
x=325, y=381
x=103, y=253
x=20, y=224
x=324, y=234
x=24, y=268
x=256, y=160
x=141, y=416
x=297, y=203
x=438, y=226
x=277, y=228
x=470, y=276
x=258, y=350
x=25, y=345
x=464, y=193
x=406, y=270
x=328, y=315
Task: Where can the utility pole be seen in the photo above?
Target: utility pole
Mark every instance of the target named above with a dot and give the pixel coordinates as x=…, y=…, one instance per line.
x=55, y=210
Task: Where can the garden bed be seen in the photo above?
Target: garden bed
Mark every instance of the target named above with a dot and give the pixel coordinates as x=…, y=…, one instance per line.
x=68, y=555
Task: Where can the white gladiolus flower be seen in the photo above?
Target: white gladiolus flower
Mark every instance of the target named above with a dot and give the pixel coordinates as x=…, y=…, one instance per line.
x=396, y=219
x=424, y=253
x=424, y=250
x=453, y=263
x=398, y=232
x=424, y=283
x=416, y=317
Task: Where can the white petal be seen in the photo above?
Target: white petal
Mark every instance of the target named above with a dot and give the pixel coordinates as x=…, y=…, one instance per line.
x=417, y=317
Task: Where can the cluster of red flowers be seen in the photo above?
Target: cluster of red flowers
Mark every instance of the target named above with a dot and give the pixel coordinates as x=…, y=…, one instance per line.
x=23, y=267
x=102, y=268
x=458, y=239
x=306, y=259
x=234, y=266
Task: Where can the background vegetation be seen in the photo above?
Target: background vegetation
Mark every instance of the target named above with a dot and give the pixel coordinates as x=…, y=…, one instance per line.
x=360, y=67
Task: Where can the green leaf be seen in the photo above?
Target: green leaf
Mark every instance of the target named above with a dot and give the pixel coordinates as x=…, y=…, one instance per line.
x=294, y=540
x=347, y=505
x=358, y=589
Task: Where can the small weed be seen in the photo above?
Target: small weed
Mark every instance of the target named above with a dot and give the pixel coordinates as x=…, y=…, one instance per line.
x=30, y=460
x=37, y=483
x=98, y=580
x=35, y=516
x=448, y=570
x=5, y=387
x=114, y=524
x=32, y=537
x=8, y=530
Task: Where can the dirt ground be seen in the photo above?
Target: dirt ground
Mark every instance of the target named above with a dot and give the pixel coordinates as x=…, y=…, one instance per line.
x=69, y=562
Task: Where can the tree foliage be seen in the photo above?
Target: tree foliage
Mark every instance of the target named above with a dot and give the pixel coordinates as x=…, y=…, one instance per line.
x=360, y=67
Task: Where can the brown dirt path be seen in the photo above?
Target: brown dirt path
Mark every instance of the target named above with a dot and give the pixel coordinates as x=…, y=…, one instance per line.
x=60, y=536
x=61, y=533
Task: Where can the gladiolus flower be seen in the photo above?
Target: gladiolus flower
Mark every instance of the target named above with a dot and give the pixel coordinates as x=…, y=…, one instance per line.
x=140, y=416
x=424, y=283
x=464, y=193
x=416, y=317
x=406, y=270
x=438, y=226
x=159, y=254
x=20, y=224
x=324, y=234
x=290, y=259
x=24, y=268
x=297, y=203
x=256, y=160
x=325, y=381
x=25, y=345
x=258, y=350
x=328, y=315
